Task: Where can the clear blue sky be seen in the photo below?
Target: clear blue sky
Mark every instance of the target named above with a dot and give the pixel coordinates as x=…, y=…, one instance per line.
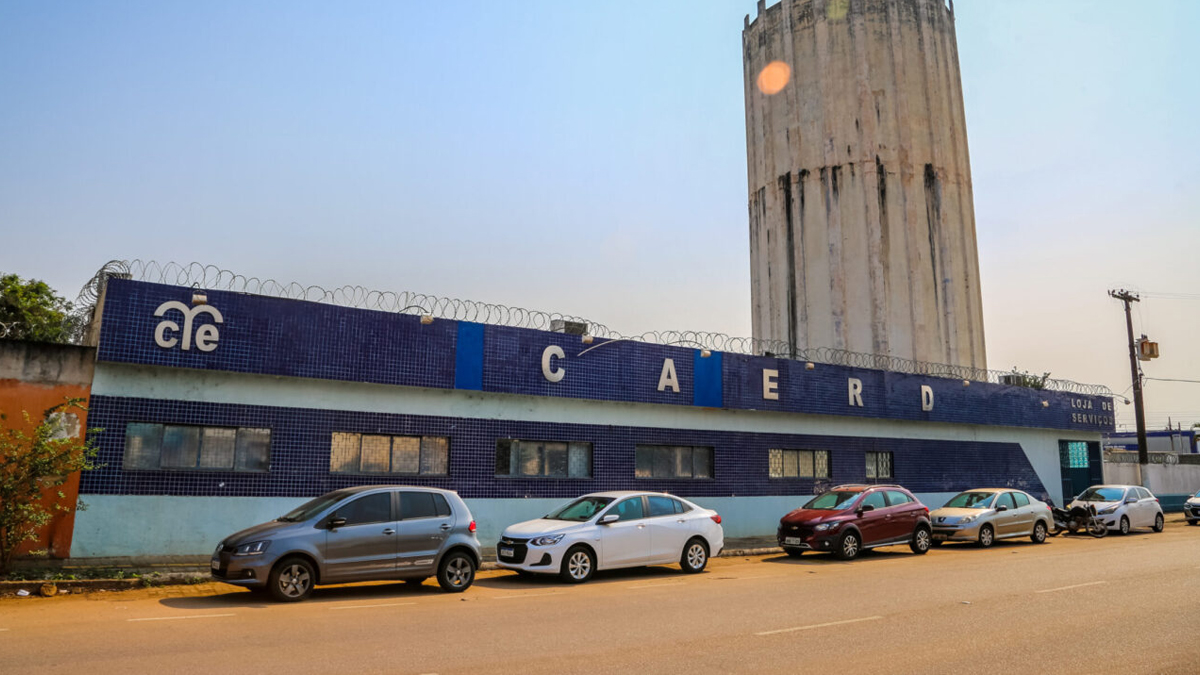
x=587, y=158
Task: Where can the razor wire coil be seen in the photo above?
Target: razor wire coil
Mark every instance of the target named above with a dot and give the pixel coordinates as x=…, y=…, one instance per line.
x=211, y=277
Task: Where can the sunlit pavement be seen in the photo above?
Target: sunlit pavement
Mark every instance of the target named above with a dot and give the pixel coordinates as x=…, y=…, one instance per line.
x=1124, y=604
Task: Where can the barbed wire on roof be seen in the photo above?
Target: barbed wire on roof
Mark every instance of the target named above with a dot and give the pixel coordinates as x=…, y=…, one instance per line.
x=211, y=277
x=6, y=329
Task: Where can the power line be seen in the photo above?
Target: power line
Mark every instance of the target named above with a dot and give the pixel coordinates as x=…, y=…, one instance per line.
x=1171, y=379
x=1172, y=296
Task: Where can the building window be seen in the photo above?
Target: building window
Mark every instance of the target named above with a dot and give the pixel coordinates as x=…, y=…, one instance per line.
x=1073, y=454
x=799, y=463
x=375, y=453
x=673, y=461
x=175, y=447
x=543, y=459
x=879, y=465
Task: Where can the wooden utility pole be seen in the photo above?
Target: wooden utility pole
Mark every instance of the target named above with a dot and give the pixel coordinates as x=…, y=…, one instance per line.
x=1143, y=456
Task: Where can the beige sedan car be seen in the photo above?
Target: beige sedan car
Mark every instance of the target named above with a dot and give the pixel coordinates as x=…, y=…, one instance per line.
x=988, y=514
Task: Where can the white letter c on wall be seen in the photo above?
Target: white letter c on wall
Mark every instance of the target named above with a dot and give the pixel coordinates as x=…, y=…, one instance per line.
x=550, y=373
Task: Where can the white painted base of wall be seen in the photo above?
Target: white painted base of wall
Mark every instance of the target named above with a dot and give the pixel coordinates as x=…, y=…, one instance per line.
x=1166, y=480
x=124, y=526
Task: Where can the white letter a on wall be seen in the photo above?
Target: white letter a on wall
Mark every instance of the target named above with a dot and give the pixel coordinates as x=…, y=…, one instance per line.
x=668, y=377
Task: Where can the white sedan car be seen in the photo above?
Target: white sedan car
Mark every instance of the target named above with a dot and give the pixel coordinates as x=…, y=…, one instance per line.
x=1123, y=506
x=608, y=530
x=1191, y=509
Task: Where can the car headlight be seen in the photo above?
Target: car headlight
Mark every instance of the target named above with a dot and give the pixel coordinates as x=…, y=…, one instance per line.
x=1105, y=512
x=967, y=519
x=546, y=541
x=253, y=548
x=826, y=526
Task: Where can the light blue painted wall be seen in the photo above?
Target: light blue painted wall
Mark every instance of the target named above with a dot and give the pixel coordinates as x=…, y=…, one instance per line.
x=125, y=526
x=116, y=525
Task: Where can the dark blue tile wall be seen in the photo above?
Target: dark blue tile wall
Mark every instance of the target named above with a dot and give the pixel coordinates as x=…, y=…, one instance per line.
x=281, y=337
x=889, y=395
x=620, y=370
x=300, y=446
x=305, y=339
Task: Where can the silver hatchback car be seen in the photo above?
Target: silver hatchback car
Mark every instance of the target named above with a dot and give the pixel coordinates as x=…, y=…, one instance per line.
x=356, y=534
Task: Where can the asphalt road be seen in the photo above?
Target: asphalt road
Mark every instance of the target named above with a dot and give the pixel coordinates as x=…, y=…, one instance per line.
x=1118, y=605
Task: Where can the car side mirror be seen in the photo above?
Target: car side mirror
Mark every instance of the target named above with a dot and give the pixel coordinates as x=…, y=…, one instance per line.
x=1001, y=508
x=1131, y=500
x=865, y=507
x=336, y=522
x=609, y=519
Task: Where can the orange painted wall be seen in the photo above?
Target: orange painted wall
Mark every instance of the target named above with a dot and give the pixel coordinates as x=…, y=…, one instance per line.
x=34, y=398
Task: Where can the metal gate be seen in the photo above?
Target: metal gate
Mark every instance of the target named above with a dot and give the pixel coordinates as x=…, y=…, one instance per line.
x=1082, y=466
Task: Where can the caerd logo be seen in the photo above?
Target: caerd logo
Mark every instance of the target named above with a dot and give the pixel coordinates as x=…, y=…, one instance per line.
x=206, y=334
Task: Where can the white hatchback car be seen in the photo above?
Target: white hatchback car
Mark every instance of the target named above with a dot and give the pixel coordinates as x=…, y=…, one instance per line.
x=1123, y=506
x=608, y=530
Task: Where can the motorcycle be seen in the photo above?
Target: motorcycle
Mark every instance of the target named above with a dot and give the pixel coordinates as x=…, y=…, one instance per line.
x=1077, y=518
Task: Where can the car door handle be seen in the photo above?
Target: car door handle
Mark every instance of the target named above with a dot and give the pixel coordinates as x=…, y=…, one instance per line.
x=641, y=526
x=445, y=526
x=681, y=520
x=389, y=531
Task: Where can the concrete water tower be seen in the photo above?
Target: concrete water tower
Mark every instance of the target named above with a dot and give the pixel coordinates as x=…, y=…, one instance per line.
x=862, y=223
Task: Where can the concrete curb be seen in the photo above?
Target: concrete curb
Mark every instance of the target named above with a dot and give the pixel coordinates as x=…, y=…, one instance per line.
x=34, y=586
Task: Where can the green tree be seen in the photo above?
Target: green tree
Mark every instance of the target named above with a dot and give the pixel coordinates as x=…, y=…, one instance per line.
x=31, y=310
x=32, y=463
x=1026, y=379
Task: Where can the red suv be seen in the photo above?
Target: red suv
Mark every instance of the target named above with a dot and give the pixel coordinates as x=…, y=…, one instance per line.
x=850, y=518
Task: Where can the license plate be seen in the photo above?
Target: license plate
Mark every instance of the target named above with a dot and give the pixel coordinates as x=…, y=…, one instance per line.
x=793, y=541
x=506, y=552
x=216, y=564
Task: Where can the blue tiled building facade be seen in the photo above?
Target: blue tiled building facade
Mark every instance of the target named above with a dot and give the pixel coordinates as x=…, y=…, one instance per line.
x=314, y=373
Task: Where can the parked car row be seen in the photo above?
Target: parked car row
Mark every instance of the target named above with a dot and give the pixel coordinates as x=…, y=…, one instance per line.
x=852, y=518
x=414, y=533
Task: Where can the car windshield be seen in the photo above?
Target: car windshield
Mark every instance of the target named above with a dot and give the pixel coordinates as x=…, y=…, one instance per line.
x=971, y=500
x=313, y=507
x=580, y=510
x=1102, y=494
x=1198, y=494
x=832, y=501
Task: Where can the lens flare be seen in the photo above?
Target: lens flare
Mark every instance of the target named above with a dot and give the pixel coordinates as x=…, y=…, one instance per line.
x=774, y=78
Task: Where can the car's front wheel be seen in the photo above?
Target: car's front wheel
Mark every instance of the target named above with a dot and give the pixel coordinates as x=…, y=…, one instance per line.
x=1159, y=523
x=695, y=557
x=849, y=546
x=578, y=565
x=987, y=536
x=1039, y=533
x=1124, y=525
x=292, y=580
x=456, y=573
x=921, y=541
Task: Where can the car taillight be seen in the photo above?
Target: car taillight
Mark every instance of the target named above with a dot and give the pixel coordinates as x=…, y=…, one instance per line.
x=471, y=527
x=716, y=518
